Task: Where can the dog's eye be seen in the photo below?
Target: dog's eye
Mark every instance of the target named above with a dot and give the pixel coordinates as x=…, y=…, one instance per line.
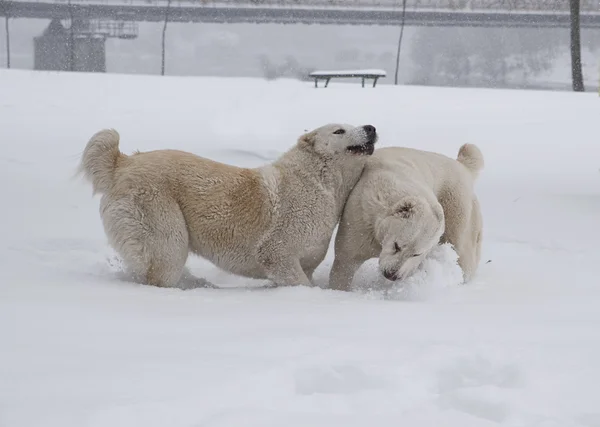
x=416, y=255
x=339, y=132
x=396, y=248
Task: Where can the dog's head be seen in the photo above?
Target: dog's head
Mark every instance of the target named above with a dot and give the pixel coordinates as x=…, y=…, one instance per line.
x=412, y=228
x=339, y=140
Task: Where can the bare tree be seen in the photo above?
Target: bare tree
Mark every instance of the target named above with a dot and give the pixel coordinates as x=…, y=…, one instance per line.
x=7, y=29
x=7, y=41
x=164, y=33
x=576, y=70
x=400, y=41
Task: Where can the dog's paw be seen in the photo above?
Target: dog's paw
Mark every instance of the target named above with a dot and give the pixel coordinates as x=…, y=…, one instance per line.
x=189, y=281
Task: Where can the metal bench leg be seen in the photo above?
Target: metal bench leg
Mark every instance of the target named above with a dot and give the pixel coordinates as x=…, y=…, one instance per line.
x=327, y=82
x=363, y=82
x=316, y=83
x=375, y=81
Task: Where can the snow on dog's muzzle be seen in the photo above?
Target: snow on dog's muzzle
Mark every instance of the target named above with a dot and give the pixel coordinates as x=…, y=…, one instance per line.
x=369, y=146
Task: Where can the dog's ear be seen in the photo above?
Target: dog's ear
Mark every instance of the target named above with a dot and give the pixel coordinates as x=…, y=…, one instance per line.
x=406, y=208
x=438, y=211
x=307, y=140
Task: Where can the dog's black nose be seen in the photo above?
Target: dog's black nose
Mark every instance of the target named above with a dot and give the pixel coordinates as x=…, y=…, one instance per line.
x=370, y=130
x=390, y=275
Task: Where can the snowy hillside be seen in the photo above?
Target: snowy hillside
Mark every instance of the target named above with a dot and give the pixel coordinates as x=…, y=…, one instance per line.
x=81, y=347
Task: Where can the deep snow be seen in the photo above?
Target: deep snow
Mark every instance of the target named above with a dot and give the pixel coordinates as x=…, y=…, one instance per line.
x=79, y=346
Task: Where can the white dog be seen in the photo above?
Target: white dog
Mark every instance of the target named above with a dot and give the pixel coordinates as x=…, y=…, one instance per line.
x=405, y=203
x=273, y=222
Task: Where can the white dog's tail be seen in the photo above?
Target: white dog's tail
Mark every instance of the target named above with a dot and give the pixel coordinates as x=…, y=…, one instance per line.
x=99, y=159
x=471, y=158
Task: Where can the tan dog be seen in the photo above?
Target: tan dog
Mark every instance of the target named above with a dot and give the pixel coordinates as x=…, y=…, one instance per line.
x=273, y=222
x=405, y=203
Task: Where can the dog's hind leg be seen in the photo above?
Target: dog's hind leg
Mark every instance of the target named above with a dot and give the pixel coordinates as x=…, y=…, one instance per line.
x=458, y=231
x=476, y=234
x=150, y=234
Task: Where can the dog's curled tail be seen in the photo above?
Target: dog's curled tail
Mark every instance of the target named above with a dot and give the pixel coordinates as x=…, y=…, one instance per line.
x=99, y=159
x=471, y=157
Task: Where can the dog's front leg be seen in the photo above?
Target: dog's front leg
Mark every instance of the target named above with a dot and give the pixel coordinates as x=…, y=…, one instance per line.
x=342, y=273
x=279, y=266
x=287, y=273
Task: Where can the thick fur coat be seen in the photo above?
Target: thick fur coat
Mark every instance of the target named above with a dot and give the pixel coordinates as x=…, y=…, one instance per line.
x=407, y=202
x=273, y=222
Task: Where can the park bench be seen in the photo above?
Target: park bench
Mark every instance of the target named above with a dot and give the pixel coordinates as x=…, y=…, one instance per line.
x=363, y=74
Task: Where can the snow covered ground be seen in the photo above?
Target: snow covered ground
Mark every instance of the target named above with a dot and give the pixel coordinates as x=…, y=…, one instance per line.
x=79, y=346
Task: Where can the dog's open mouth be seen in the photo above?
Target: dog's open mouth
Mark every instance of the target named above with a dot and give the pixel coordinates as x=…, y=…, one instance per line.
x=367, y=148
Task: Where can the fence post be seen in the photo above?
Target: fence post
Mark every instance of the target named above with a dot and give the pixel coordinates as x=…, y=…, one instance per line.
x=71, y=38
x=400, y=41
x=164, y=32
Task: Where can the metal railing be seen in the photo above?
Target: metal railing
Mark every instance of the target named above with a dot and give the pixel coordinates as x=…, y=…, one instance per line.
x=464, y=5
x=107, y=28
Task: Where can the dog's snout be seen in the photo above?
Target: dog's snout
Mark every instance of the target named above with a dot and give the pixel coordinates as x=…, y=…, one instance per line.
x=370, y=130
x=390, y=275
